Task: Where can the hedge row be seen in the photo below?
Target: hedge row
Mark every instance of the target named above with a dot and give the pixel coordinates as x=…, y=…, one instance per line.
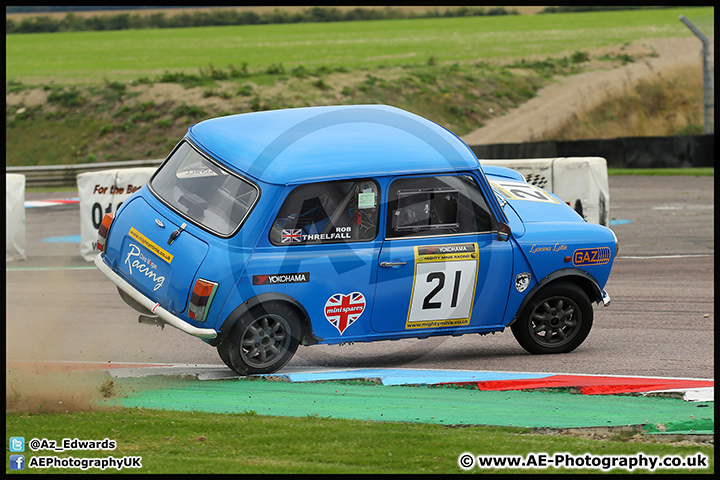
x=203, y=18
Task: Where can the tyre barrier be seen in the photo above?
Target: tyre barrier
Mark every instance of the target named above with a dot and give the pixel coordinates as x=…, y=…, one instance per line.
x=103, y=192
x=582, y=182
x=14, y=217
x=676, y=151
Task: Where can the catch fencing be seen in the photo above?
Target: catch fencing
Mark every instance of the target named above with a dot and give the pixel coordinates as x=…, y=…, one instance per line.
x=49, y=176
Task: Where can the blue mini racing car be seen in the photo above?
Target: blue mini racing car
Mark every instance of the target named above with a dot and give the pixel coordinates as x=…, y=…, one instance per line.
x=324, y=225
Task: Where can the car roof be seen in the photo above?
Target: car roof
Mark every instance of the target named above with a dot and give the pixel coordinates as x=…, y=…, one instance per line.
x=305, y=144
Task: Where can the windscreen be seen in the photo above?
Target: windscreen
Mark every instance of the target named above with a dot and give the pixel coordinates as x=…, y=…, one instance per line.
x=203, y=191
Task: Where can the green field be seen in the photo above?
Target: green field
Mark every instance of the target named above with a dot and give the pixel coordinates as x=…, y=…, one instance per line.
x=86, y=97
x=89, y=57
x=215, y=443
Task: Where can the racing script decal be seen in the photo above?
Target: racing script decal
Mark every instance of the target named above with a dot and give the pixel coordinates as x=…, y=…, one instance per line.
x=444, y=285
x=342, y=310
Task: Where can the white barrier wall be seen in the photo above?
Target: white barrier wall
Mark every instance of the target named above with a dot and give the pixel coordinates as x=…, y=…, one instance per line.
x=14, y=217
x=103, y=192
x=581, y=181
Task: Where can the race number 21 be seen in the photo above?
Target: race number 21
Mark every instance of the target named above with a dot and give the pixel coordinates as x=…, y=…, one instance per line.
x=444, y=285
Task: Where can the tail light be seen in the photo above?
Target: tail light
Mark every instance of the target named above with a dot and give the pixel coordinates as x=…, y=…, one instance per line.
x=201, y=298
x=103, y=230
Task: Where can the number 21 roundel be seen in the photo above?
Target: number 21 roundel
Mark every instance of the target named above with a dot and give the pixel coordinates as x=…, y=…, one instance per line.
x=444, y=286
x=342, y=310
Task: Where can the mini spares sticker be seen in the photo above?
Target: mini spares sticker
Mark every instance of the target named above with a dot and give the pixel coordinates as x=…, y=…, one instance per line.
x=343, y=310
x=592, y=256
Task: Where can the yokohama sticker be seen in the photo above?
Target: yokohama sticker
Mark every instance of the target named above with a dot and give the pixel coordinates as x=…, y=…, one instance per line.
x=281, y=278
x=343, y=310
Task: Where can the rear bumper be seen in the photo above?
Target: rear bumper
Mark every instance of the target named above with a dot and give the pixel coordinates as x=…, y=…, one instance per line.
x=153, y=307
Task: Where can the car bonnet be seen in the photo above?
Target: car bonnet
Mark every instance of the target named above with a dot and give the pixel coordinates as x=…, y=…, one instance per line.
x=531, y=203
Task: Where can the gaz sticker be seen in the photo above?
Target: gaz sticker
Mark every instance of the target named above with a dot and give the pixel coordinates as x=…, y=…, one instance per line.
x=522, y=191
x=443, y=286
x=591, y=256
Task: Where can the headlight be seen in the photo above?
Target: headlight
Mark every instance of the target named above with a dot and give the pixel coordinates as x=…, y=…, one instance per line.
x=617, y=245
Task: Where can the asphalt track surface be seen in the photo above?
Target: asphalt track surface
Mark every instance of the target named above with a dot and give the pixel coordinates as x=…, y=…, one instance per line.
x=660, y=322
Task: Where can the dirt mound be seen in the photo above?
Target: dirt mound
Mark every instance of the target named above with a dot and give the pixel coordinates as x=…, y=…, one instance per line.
x=557, y=102
x=31, y=388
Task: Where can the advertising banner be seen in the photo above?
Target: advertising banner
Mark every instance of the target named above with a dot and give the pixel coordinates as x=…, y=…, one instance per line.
x=103, y=192
x=14, y=217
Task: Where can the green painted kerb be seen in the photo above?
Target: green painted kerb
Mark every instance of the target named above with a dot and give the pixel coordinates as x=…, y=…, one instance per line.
x=447, y=406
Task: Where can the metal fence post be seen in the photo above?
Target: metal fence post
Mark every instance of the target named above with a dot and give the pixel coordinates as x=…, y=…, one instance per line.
x=708, y=86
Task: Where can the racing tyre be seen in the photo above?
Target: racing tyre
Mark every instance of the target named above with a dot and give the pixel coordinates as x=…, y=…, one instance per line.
x=556, y=320
x=262, y=341
x=224, y=353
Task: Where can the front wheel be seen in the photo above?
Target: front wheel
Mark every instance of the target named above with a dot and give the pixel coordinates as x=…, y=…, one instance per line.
x=262, y=341
x=556, y=320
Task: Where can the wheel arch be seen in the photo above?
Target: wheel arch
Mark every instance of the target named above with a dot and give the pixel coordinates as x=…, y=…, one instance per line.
x=581, y=278
x=308, y=338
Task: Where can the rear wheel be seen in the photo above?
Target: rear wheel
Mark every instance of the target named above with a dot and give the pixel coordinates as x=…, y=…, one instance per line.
x=262, y=341
x=224, y=353
x=556, y=320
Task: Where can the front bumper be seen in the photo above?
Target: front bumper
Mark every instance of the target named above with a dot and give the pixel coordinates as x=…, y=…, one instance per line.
x=605, y=298
x=153, y=307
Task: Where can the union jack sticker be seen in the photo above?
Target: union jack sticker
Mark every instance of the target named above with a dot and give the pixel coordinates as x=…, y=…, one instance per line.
x=290, y=236
x=343, y=310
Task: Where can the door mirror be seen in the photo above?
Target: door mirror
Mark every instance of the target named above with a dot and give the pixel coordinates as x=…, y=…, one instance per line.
x=503, y=232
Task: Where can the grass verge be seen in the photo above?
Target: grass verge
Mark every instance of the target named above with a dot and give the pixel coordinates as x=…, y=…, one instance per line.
x=670, y=103
x=120, y=121
x=114, y=102
x=197, y=442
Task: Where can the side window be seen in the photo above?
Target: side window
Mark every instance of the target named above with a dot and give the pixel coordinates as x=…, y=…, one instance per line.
x=328, y=212
x=443, y=205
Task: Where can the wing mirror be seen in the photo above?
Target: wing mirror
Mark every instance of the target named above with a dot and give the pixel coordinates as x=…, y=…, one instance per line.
x=503, y=232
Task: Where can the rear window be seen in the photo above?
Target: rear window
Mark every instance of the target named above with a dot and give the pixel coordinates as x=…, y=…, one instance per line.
x=203, y=191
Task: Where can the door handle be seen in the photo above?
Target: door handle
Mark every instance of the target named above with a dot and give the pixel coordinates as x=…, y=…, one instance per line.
x=176, y=233
x=391, y=264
